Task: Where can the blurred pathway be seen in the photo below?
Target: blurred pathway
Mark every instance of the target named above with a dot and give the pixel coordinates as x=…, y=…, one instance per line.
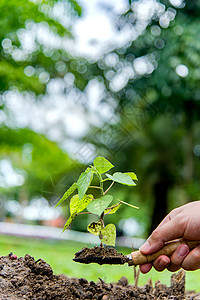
x=48, y=232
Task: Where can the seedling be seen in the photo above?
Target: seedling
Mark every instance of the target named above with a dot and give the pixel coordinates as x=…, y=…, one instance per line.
x=102, y=205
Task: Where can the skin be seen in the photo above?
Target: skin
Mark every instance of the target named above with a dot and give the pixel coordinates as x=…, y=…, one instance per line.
x=182, y=222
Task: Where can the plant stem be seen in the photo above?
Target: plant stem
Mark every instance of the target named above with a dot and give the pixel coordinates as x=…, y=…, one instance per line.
x=137, y=277
x=84, y=213
x=94, y=187
x=129, y=204
x=101, y=219
x=105, y=179
x=112, y=207
x=134, y=272
x=109, y=188
x=101, y=184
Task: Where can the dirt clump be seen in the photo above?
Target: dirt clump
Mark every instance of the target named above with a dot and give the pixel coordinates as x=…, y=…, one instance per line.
x=100, y=255
x=25, y=278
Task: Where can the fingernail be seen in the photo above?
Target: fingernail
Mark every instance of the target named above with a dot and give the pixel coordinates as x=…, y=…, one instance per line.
x=183, y=251
x=163, y=263
x=145, y=247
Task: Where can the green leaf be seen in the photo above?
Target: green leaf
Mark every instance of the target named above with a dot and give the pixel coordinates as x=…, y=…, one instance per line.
x=121, y=178
x=132, y=175
x=68, y=193
x=77, y=205
x=84, y=181
x=10, y=72
x=95, y=228
x=112, y=209
x=70, y=219
x=97, y=206
x=102, y=165
x=109, y=235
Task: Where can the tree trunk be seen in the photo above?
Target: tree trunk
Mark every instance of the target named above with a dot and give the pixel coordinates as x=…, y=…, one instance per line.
x=188, y=171
x=160, y=190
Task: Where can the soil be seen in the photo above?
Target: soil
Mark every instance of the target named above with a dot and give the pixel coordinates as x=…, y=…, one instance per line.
x=100, y=255
x=25, y=278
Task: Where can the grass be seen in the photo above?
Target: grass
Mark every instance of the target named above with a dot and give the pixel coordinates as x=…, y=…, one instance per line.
x=59, y=255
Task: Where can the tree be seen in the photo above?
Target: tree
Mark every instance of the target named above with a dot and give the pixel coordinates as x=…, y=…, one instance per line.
x=155, y=81
x=32, y=43
x=28, y=58
x=39, y=161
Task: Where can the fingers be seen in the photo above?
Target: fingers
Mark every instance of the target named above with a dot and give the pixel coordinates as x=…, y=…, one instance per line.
x=168, y=231
x=172, y=264
x=181, y=222
x=177, y=258
x=161, y=263
x=181, y=258
x=145, y=268
x=192, y=260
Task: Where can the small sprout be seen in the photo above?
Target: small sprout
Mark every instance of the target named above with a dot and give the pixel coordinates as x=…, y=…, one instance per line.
x=136, y=276
x=101, y=205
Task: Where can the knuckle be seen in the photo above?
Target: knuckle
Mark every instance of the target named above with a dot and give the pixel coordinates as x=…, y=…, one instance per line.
x=180, y=219
x=161, y=263
x=174, y=211
x=156, y=235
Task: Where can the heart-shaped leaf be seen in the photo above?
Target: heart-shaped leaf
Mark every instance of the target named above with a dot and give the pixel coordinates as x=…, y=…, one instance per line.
x=95, y=228
x=97, y=206
x=121, y=178
x=102, y=165
x=109, y=235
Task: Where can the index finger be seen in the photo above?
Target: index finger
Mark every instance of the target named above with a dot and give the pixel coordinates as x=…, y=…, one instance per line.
x=169, y=230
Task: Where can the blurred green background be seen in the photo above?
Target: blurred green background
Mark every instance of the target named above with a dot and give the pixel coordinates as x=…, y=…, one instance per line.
x=129, y=91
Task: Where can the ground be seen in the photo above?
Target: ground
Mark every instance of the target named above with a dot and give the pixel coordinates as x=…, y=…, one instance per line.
x=25, y=278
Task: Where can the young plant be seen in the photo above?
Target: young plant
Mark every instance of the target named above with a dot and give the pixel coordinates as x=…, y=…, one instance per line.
x=100, y=206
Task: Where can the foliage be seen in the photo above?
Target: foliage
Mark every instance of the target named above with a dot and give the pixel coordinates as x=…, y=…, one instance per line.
x=28, y=61
x=157, y=101
x=36, y=158
x=98, y=206
x=32, y=52
x=157, y=107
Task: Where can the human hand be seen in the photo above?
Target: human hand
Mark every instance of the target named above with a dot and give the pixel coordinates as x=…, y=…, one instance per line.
x=182, y=222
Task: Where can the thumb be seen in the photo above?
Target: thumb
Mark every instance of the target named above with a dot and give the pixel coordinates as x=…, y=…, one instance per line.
x=163, y=233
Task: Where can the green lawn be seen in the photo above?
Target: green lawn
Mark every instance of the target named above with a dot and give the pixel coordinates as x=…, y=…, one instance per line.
x=59, y=255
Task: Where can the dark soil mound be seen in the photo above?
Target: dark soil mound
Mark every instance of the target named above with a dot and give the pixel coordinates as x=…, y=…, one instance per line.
x=100, y=255
x=25, y=278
